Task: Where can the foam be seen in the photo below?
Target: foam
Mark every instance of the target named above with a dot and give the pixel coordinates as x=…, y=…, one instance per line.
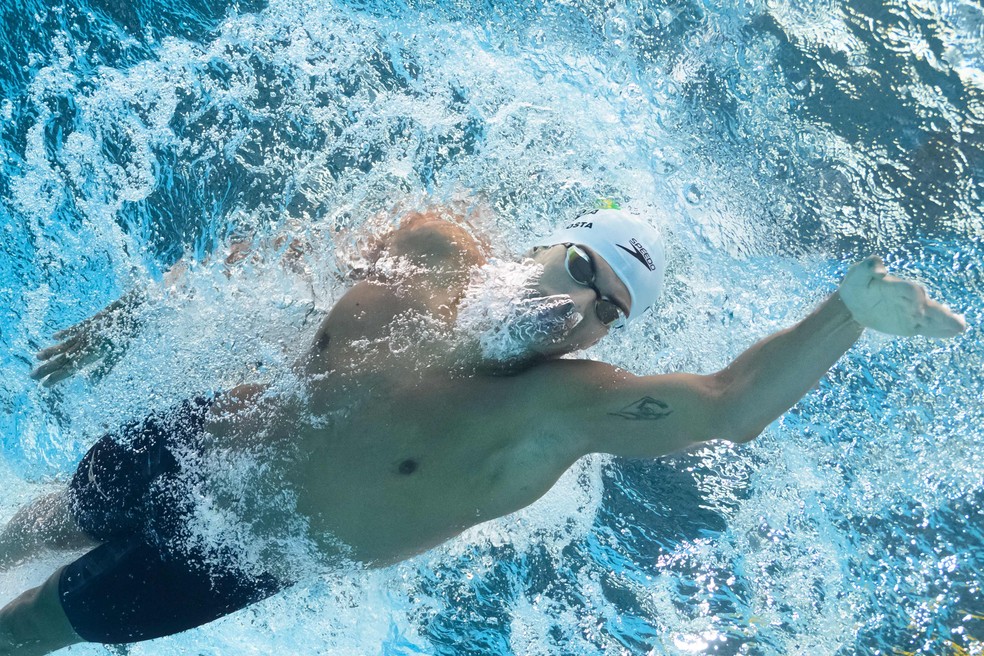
x=312, y=117
x=501, y=311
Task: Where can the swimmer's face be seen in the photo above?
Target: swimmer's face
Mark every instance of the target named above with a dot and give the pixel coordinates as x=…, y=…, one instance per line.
x=555, y=280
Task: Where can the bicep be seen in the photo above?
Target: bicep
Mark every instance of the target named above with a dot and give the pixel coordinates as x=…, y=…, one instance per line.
x=613, y=411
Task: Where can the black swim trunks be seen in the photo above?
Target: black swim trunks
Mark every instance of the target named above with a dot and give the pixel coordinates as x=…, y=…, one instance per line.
x=130, y=493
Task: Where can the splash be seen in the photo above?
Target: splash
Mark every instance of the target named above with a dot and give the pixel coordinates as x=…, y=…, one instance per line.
x=502, y=312
x=773, y=138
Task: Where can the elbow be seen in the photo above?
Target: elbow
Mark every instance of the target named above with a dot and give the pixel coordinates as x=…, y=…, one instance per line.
x=744, y=437
x=731, y=420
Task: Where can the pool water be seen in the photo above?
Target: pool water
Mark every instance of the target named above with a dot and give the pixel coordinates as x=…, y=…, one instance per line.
x=775, y=142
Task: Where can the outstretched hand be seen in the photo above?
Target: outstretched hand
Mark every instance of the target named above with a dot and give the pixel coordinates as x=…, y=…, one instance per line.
x=891, y=305
x=104, y=336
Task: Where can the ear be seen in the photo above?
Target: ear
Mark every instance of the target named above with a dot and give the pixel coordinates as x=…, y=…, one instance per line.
x=539, y=249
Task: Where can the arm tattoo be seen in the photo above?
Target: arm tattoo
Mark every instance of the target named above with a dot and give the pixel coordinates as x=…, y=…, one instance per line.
x=645, y=408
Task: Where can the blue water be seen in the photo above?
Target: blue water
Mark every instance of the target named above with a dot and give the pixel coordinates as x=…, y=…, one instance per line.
x=775, y=141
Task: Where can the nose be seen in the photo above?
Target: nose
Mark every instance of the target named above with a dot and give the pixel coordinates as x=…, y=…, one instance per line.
x=584, y=298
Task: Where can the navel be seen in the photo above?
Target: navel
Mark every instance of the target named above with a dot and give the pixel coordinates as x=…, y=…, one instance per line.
x=408, y=466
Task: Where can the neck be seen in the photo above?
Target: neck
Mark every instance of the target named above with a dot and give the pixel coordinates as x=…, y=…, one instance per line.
x=469, y=358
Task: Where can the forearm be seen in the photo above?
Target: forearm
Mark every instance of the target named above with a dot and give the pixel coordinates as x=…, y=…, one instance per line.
x=771, y=376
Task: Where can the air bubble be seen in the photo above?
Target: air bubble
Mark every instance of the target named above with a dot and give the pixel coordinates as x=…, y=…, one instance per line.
x=693, y=194
x=665, y=162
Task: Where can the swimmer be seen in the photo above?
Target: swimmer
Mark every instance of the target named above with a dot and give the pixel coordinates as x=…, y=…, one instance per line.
x=465, y=423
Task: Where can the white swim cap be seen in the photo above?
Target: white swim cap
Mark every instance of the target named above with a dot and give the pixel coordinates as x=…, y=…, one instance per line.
x=632, y=247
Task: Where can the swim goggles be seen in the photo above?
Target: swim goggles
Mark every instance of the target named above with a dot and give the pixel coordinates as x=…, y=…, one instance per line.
x=580, y=267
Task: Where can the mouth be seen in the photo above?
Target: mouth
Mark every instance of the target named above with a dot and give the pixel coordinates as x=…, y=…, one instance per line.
x=544, y=320
x=510, y=316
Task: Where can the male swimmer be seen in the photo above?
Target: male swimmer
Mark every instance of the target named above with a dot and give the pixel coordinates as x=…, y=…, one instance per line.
x=399, y=444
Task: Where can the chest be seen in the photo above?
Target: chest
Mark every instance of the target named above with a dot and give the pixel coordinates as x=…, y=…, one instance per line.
x=427, y=465
x=390, y=444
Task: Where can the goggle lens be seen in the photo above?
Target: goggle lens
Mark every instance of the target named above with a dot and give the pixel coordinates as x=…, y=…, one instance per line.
x=579, y=266
x=609, y=313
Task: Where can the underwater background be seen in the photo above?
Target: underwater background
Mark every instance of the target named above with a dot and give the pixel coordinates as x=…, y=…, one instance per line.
x=774, y=142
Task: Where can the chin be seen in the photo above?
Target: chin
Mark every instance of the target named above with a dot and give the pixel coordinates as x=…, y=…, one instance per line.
x=561, y=348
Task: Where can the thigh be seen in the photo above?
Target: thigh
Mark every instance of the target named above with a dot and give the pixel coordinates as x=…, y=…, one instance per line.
x=126, y=591
x=109, y=493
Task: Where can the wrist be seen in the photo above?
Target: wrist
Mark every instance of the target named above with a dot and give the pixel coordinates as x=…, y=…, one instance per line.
x=837, y=303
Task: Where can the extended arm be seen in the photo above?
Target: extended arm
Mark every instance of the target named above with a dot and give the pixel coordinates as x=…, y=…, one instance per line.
x=615, y=412
x=106, y=335
x=770, y=377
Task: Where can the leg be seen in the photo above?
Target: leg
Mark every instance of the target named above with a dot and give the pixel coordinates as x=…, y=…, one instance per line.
x=107, y=491
x=45, y=523
x=128, y=590
x=34, y=623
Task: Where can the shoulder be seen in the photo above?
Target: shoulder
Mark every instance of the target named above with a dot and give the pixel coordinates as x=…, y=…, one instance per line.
x=434, y=247
x=432, y=237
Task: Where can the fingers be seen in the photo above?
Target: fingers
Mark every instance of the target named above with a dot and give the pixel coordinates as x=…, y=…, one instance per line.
x=925, y=316
x=70, y=347
x=57, y=376
x=86, y=325
x=62, y=366
x=74, y=330
x=893, y=305
x=905, y=291
x=89, y=340
x=62, y=360
x=941, y=322
x=57, y=349
x=50, y=367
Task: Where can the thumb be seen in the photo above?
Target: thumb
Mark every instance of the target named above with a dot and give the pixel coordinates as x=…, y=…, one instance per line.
x=874, y=266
